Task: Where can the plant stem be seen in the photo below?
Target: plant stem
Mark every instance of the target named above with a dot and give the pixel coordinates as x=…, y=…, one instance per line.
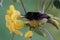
x=42, y=6
x=48, y=33
x=30, y=38
x=1, y=1
x=12, y=36
x=51, y=1
x=23, y=6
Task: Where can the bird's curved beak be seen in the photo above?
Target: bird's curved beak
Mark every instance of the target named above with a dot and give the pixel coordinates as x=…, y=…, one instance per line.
x=53, y=22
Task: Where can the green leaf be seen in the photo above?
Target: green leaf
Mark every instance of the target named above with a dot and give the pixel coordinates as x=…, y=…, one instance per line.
x=57, y=4
x=39, y=31
x=14, y=0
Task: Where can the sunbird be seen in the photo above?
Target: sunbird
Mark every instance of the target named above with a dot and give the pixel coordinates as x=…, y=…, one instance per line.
x=36, y=17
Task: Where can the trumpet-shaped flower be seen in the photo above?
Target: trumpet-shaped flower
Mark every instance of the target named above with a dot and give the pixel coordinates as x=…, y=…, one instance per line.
x=12, y=22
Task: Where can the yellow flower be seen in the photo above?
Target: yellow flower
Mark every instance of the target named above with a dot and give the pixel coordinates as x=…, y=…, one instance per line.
x=28, y=34
x=16, y=15
x=17, y=31
x=19, y=24
x=7, y=17
x=8, y=22
x=9, y=26
x=12, y=22
x=11, y=10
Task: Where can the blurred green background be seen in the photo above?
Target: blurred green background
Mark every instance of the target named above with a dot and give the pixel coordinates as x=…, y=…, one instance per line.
x=31, y=5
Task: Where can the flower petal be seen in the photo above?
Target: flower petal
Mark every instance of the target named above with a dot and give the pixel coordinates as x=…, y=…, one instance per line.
x=28, y=34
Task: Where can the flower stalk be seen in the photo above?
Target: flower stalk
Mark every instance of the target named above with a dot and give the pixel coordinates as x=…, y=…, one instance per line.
x=12, y=36
x=23, y=6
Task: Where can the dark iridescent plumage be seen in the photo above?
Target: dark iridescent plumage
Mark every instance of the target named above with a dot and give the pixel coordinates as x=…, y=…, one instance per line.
x=36, y=16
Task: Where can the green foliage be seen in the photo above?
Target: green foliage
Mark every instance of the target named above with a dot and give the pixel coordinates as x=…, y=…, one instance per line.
x=31, y=5
x=57, y=4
